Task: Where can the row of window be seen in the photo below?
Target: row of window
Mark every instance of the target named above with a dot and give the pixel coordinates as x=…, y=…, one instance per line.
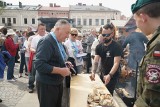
x=25, y=21
x=97, y=22
x=52, y=13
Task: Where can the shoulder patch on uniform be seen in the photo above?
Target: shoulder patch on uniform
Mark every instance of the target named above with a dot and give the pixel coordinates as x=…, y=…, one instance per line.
x=153, y=74
x=156, y=52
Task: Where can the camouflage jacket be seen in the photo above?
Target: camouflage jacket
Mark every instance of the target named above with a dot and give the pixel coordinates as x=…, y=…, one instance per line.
x=148, y=90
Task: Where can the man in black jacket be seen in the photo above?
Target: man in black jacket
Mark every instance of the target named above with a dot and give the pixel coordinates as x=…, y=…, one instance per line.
x=50, y=65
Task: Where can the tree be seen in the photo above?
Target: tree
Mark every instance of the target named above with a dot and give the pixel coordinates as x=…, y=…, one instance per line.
x=2, y=6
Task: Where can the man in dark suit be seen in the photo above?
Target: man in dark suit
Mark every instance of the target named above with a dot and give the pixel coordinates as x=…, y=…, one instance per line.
x=50, y=64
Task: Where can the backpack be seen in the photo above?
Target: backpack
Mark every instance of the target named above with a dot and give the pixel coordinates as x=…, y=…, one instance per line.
x=3, y=47
x=5, y=54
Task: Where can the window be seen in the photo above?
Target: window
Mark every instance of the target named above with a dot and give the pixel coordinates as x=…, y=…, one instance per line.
x=79, y=21
x=97, y=22
x=33, y=20
x=108, y=21
x=14, y=20
x=74, y=20
x=8, y=20
x=102, y=21
x=3, y=20
x=25, y=20
x=85, y=22
x=90, y=22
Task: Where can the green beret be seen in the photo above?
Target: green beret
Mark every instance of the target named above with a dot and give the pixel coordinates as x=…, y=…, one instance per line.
x=140, y=3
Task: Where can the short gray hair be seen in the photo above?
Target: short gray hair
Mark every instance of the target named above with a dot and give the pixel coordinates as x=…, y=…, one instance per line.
x=61, y=22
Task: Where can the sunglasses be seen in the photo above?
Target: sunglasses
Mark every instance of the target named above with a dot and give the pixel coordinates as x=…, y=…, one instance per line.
x=74, y=34
x=106, y=35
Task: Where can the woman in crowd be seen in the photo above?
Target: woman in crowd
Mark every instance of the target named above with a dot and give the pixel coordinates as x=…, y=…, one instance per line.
x=12, y=49
x=74, y=48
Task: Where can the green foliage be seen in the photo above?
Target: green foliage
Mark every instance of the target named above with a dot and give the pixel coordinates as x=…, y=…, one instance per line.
x=1, y=7
x=1, y=3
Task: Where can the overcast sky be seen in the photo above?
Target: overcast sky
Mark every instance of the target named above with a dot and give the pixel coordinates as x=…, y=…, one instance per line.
x=121, y=5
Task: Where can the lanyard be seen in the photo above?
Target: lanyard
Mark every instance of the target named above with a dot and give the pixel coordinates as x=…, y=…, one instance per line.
x=61, y=48
x=75, y=47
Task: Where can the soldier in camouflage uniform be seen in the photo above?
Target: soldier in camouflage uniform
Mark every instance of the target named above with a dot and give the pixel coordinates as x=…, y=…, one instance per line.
x=147, y=16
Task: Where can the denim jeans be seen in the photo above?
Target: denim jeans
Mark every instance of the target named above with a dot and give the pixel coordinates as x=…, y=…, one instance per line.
x=32, y=77
x=22, y=63
x=2, y=66
x=27, y=60
x=10, y=71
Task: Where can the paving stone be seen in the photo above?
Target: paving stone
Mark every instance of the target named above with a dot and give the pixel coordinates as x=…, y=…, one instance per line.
x=12, y=92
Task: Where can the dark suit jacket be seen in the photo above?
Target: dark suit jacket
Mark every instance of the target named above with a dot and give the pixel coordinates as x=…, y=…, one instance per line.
x=47, y=57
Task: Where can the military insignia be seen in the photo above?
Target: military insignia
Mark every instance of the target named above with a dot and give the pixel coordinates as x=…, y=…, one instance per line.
x=153, y=74
x=108, y=54
x=156, y=53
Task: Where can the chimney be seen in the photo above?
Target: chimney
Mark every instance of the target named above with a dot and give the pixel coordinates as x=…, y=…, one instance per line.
x=20, y=4
x=100, y=4
x=50, y=4
x=56, y=5
x=79, y=4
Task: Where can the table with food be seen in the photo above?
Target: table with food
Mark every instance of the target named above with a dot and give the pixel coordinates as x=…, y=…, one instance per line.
x=87, y=93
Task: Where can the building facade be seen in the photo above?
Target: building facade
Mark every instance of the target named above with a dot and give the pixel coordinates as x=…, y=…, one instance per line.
x=89, y=16
x=19, y=17
x=84, y=16
x=53, y=11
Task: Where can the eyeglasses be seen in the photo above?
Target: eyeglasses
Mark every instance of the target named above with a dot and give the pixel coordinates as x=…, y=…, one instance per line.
x=74, y=34
x=106, y=35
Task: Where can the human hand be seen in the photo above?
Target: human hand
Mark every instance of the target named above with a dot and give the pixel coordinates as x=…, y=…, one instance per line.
x=106, y=79
x=19, y=42
x=65, y=72
x=69, y=64
x=92, y=77
x=134, y=105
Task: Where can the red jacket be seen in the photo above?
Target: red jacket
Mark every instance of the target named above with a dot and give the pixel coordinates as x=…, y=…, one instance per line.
x=30, y=61
x=10, y=46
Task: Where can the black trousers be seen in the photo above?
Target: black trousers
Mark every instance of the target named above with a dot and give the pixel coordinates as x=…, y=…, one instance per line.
x=88, y=62
x=17, y=56
x=49, y=95
x=23, y=64
x=111, y=85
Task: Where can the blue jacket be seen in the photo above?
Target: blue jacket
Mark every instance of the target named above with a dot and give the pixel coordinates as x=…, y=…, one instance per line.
x=2, y=65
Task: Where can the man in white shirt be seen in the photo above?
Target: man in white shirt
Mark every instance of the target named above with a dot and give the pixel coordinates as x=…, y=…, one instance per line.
x=40, y=34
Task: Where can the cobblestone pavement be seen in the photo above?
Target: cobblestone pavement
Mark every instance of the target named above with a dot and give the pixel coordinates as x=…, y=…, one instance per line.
x=12, y=92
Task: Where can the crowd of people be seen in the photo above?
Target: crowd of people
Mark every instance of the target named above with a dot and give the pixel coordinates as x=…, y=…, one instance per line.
x=48, y=57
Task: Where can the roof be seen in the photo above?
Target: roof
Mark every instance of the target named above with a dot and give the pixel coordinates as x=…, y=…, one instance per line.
x=90, y=8
x=130, y=23
x=24, y=7
x=54, y=8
